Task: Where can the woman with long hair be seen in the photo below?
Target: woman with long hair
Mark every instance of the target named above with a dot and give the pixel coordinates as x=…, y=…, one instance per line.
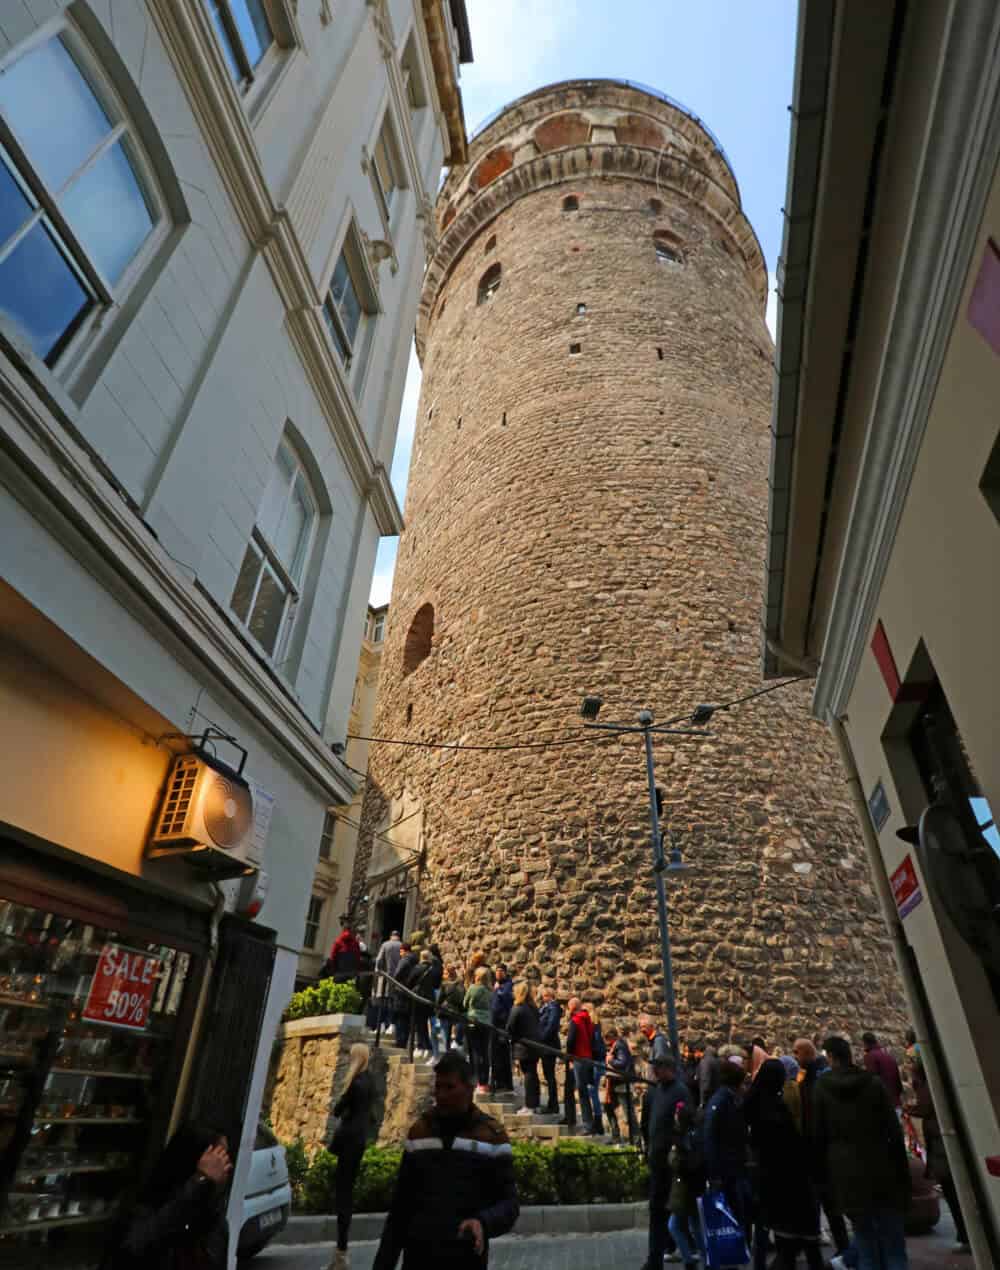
x=477, y=1011
x=178, y=1221
x=353, y=1109
x=522, y=1028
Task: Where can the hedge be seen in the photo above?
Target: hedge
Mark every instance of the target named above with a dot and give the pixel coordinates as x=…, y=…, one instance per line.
x=325, y=997
x=573, y=1172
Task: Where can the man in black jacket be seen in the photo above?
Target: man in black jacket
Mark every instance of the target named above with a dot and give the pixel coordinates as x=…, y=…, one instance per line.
x=659, y=1112
x=455, y=1190
x=409, y=963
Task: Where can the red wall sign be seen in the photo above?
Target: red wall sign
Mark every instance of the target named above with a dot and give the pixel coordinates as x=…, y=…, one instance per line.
x=906, y=888
x=121, y=991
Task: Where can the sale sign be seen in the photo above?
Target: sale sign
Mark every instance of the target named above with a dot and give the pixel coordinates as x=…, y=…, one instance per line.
x=906, y=888
x=121, y=991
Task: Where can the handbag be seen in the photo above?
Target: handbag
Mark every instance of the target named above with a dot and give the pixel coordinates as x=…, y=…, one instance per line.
x=725, y=1242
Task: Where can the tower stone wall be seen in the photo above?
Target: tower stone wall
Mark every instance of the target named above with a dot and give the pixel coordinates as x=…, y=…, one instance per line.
x=586, y=514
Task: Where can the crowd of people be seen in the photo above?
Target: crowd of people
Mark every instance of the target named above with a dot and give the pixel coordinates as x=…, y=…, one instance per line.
x=778, y=1139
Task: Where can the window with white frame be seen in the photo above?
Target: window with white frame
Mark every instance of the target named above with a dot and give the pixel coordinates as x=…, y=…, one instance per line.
x=246, y=34
x=270, y=580
x=78, y=207
x=326, y=837
x=348, y=308
x=413, y=82
x=386, y=168
x=314, y=918
x=378, y=628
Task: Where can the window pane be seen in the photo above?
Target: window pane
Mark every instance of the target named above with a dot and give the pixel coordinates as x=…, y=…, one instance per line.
x=225, y=39
x=108, y=212
x=14, y=207
x=268, y=610
x=348, y=304
x=276, y=495
x=342, y=346
x=254, y=28
x=245, y=583
x=40, y=291
x=51, y=108
x=293, y=533
x=384, y=168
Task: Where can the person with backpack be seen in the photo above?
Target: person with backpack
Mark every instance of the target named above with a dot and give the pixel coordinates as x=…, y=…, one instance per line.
x=687, y=1171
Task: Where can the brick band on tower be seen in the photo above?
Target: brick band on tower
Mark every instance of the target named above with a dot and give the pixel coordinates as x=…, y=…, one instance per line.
x=586, y=513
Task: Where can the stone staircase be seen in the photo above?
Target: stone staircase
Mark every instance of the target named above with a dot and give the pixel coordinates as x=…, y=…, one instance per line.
x=502, y=1106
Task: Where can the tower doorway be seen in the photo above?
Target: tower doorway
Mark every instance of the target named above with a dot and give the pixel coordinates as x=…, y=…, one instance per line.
x=390, y=915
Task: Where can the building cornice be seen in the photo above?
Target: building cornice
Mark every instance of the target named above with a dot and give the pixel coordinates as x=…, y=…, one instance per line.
x=960, y=156
x=52, y=474
x=446, y=79
x=187, y=32
x=668, y=172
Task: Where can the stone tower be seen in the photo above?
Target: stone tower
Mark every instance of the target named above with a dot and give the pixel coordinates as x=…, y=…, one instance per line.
x=586, y=514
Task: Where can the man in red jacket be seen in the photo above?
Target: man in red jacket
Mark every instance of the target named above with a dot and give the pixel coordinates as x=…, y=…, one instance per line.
x=579, y=1043
x=882, y=1064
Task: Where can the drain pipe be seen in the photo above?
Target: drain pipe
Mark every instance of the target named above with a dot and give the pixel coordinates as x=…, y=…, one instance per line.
x=177, y=1115
x=978, y=1236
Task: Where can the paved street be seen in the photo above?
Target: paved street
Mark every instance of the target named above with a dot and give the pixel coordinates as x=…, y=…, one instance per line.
x=625, y=1250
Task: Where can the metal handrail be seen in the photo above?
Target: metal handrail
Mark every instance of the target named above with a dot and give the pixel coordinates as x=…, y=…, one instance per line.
x=439, y=1011
x=628, y=83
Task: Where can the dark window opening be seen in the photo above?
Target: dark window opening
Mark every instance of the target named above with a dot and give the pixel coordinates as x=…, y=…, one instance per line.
x=581, y=309
x=659, y=354
x=655, y=206
x=409, y=712
x=489, y=284
x=990, y=483
x=574, y=350
x=459, y=423
x=419, y=638
x=491, y=242
x=571, y=203
x=503, y=420
x=666, y=253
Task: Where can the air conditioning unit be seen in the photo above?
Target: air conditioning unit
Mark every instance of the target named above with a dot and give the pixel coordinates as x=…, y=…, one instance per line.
x=206, y=818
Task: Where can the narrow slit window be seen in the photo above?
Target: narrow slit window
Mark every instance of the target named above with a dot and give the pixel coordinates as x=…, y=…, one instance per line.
x=574, y=349
x=581, y=310
x=489, y=284
x=571, y=203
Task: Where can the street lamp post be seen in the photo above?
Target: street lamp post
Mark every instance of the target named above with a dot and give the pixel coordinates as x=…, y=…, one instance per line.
x=591, y=707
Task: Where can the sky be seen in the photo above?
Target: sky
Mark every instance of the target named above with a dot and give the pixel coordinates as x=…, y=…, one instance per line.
x=727, y=61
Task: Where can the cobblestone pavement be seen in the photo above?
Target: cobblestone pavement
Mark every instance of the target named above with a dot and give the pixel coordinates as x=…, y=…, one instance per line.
x=623, y=1251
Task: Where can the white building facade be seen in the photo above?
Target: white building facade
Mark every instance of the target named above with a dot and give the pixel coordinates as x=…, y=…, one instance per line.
x=214, y=217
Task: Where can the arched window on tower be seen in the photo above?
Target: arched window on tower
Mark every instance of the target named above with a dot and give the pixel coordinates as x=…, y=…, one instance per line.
x=571, y=203
x=419, y=638
x=489, y=284
x=667, y=251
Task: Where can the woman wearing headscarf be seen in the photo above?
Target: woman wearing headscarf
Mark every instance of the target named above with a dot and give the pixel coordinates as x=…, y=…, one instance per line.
x=725, y=1137
x=787, y=1202
x=178, y=1221
x=353, y=1108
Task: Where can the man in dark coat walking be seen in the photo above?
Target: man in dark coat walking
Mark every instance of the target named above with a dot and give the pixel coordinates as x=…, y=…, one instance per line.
x=861, y=1151
x=659, y=1133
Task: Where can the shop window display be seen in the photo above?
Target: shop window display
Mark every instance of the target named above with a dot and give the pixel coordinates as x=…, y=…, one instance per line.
x=87, y=1023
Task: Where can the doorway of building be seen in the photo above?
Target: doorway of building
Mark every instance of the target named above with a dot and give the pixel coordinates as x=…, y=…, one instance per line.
x=390, y=915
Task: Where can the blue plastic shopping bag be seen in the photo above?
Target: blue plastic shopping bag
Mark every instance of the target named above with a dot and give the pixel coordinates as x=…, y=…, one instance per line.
x=725, y=1242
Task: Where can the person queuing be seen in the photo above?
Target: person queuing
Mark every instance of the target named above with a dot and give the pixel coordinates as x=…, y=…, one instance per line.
x=477, y=1011
x=409, y=963
x=621, y=1092
x=179, y=1218
x=501, y=1004
x=725, y=1138
x=881, y=1063
x=549, y=1018
x=425, y=982
x=861, y=1152
x=787, y=1204
x=453, y=999
x=523, y=1031
x=687, y=1172
x=659, y=1134
x=455, y=1190
x=344, y=961
x=599, y=1053
x=938, y=1167
x=353, y=1108
x=579, y=1043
